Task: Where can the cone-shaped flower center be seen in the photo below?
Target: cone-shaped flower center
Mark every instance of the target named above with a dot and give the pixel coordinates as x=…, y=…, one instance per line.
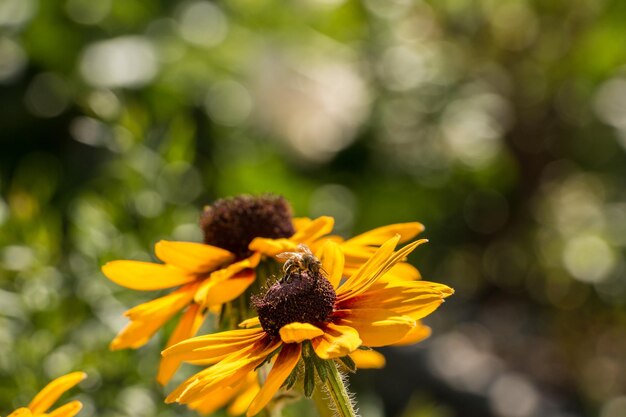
x=233, y=223
x=303, y=296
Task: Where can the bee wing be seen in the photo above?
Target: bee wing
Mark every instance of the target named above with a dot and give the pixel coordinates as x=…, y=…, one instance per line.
x=304, y=249
x=287, y=255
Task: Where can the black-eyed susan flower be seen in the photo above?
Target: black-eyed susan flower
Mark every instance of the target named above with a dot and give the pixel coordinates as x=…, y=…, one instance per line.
x=206, y=275
x=312, y=317
x=42, y=402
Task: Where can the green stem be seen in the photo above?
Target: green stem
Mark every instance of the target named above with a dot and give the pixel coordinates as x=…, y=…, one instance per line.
x=337, y=391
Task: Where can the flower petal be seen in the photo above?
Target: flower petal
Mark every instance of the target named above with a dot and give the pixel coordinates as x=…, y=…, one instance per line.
x=315, y=229
x=381, y=262
x=224, y=291
x=402, y=271
x=253, y=322
x=148, y=318
x=212, y=348
x=272, y=247
x=337, y=341
x=298, y=332
x=243, y=400
x=287, y=360
x=145, y=276
x=51, y=392
x=416, y=335
x=377, y=327
x=186, y=328
x=380, y=235
x=300, y=223
x=192, y=257
x=332, y=262
x=21, y=412
x=223, y=275
x=211, y=403
x=368, y=359
x=68, y=410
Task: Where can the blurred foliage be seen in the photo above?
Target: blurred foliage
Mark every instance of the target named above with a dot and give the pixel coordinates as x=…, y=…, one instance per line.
x=498, y=124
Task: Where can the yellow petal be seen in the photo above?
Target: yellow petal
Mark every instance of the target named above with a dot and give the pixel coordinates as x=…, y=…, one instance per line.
x=227, y=372
x=244, y=398
x=224, y=291
x=213, y=347
x=21, y=412
x=300, y=223
x=253, y=322
x=380, y=235
x=148, y=318
x=368, y=359
x=337, y=341
x=164, y=306
x=298, y=332
x=377, y=327
x=272, y=247
x=145, y=276
x=416, y=335
x=332, y=262
x=402, y=271
x=315, y=229
x=186, y=328
x=192, y=257
x=287, y=360
x=211, y=403
x=51, y=392
x=68, y=410
x=223, y=275
x=371, y=272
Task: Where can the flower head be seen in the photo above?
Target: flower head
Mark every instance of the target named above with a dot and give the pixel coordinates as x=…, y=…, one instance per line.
x=42, y=402
x=238, y=232
x=367, y=310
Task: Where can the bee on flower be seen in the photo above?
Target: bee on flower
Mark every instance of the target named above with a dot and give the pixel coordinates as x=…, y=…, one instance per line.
x=312, y=319
x=241, y=234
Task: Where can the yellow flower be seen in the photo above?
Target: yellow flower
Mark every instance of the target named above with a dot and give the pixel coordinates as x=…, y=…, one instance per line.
x=335, y=317
x=206, y=275
x=39, y=406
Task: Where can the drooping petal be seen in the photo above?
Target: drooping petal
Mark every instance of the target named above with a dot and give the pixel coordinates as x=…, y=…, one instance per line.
x=211, y=403
x=21, y=412
x=67, y=410
x=187, y=327
x=51, y=392
x=300, y=223
x=243, y=400
x=416, y=335
x=227, y=372
x=146, y=276
x=192, y=257
x=298, y=332
x=368, y=359
x=223, y=291
x=148, y=318
x=336, y=341
x=287, y=360
x=376, y=327
x=212, y=348
x=332, y=262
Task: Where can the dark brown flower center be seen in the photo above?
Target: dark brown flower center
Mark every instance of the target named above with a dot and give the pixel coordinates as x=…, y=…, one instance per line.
x=302, y=296
x=233, y=223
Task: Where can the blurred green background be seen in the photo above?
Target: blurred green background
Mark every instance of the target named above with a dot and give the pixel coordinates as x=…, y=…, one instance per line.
x=501, y=125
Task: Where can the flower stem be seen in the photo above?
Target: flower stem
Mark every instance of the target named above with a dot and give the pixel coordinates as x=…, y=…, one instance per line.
x=337, y=392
